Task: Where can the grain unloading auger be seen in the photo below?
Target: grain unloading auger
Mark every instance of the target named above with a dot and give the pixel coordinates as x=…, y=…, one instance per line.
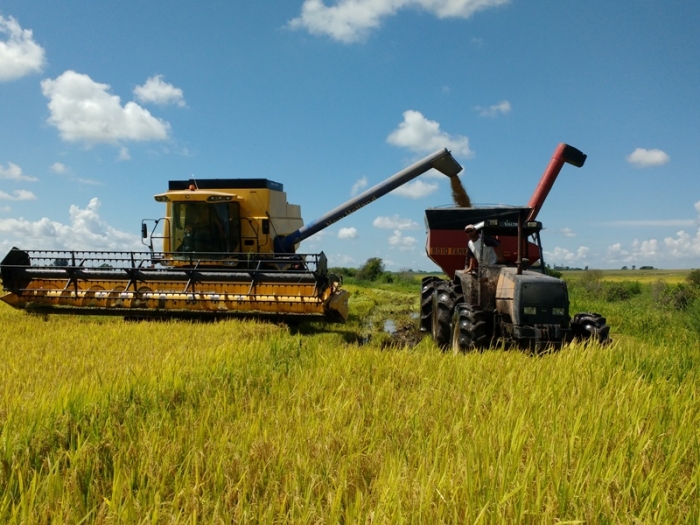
x=228, y=249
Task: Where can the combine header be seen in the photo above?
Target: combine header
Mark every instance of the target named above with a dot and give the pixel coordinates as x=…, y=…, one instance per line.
x=228, y=249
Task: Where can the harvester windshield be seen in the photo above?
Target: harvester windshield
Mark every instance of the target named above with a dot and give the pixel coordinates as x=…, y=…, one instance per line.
x=206, y=227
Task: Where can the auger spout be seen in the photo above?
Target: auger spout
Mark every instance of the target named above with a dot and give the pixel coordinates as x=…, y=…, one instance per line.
x=563, y=154
x=442, y=160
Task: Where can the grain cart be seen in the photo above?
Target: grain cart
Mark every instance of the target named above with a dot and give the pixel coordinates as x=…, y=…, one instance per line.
x=513, y=302
x=229, y=248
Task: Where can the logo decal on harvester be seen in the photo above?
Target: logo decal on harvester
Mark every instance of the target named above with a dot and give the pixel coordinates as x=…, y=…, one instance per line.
x=449, y=250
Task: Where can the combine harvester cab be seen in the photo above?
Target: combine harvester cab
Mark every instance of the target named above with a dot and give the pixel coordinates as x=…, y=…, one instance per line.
x=228, y=249
x=511, y=303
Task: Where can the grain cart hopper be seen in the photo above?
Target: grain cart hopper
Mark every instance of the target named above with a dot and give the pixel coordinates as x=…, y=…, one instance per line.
x=228, y=249
x=512, y=302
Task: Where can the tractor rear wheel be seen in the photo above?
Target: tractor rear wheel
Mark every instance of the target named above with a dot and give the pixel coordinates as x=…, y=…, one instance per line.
x=470, y=329
x=426, y=303
x=443, y=307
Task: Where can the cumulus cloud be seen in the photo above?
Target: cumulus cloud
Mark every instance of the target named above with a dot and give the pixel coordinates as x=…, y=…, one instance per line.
x=684, y=245
x=20, y=55
x=502, y=108
x=14, y=172
x=681, y=248
x=124, y=154
x=395, y=223
x=359, y=185
x=341, y=259
x=402, y=242
x=59, y=167
x=84, y=110
x=18, y=195
x=352, y=20
x=650, y=223
x=156, y=91
x=421, y=135
x=347, y=233
x=416, y=189
x=86, y=231
x=63, y=170
x=648, y=158
x=562, y=256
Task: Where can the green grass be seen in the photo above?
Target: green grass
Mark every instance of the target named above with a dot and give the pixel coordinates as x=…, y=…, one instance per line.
x=103, y=421
x=642, y=276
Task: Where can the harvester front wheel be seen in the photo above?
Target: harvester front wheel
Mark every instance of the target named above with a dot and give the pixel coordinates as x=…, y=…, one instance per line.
x=426, y=303
x=470, y=329
x=443, y=307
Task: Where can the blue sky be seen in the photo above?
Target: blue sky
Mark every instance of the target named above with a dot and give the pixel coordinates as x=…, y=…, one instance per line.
x=103, y=103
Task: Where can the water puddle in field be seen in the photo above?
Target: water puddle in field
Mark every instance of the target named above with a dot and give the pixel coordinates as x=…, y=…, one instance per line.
x=390, y=326
x=394, y=332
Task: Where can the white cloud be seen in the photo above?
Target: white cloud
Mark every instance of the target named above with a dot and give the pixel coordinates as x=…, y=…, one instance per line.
x=681, y=248
x=403, y=243
x=652, y=223
x=562, y=256
x=359, y=184
x=342, y=260
x=352, y=20
x=502, y=108
x=672, y=250
x=156, y=91
x=19, y=195
x=124, y=154
x=568, y=232
x=20, y=55
x=14, y=172
x=347, y=233
x=84, y=110
x=86, y=231
x=395, y=223
x=59, y=167
x=416, y=189
x=647, y=158
x=419, y=134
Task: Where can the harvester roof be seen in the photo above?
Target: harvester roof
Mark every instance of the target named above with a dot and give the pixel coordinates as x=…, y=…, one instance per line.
x=221, y=184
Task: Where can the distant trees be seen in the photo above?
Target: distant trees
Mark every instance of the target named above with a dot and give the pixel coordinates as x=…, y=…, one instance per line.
x=371, y=270
x=694, y=279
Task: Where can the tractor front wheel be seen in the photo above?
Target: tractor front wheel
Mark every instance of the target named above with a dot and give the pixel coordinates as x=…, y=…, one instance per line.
x=427, y=292
x=443, y=307
x=589, y=325
x=470, y=329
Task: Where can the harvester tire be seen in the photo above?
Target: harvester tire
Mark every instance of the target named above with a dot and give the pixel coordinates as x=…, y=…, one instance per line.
x=589, y=325
x=426, y=303
x=470, y=329
x=443, y=307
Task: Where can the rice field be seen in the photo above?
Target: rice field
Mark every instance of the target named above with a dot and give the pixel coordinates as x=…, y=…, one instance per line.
x=104, y=421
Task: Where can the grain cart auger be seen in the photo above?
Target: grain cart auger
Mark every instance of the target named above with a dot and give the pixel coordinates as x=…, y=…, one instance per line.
x=228, y=249
x=512, y=302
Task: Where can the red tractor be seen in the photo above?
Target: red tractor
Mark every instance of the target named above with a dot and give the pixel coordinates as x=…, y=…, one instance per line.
x=511, y=302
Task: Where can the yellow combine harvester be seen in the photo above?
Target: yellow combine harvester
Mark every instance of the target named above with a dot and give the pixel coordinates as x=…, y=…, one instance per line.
x=228, y=249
